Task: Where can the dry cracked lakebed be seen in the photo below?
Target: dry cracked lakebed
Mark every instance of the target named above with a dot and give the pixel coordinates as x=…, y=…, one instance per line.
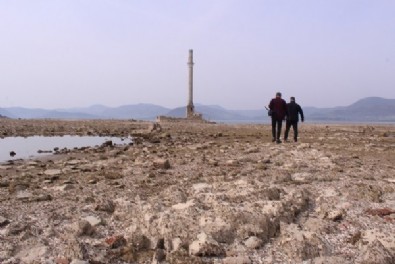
x=200, y=193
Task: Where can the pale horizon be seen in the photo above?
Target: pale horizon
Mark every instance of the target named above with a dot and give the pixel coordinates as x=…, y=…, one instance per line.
x=74, y=54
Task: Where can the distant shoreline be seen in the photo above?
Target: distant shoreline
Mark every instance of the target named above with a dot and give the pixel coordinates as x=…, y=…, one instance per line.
x=313, y=122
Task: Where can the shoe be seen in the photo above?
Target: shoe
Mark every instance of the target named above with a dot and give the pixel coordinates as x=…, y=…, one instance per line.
x=273, y=139
x=295, y=140
x=286, y=140
x=278, y=141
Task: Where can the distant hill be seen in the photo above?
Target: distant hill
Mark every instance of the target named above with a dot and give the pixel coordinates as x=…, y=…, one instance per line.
x=137, y=111
x=371, y=109
x=30, y=113
x=4, y=113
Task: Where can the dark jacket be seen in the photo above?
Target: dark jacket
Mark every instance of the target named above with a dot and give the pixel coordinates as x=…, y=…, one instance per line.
x=278, y=107
x=293, y=112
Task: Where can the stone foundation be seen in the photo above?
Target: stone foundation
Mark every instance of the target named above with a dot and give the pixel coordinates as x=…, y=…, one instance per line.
x=195, y=118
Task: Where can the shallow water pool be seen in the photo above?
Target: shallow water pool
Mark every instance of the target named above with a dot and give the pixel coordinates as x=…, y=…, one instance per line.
x=30, y=147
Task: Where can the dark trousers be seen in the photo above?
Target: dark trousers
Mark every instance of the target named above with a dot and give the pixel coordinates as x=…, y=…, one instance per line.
x=276, y=123
x=294, y=125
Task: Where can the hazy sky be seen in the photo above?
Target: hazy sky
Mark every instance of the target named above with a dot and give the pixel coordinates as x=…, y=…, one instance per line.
x=76, y=53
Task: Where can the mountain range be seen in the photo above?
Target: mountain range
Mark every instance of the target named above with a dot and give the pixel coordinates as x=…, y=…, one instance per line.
x=369, y=109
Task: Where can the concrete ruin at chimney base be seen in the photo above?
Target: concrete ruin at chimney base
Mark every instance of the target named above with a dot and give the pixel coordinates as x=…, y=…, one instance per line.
x=191, y=115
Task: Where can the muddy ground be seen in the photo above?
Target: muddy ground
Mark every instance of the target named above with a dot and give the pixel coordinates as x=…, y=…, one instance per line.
x=201, y=193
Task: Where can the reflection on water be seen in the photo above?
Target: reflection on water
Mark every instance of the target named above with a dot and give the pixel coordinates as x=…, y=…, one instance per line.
x=30, y=147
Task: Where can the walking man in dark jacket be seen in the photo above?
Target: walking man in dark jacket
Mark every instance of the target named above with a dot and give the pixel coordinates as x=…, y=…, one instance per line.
x=278, y=106
x=293, y=118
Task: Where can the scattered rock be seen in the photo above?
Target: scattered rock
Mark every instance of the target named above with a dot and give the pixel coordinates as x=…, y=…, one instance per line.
x=116, y=241
x=380, y=211
x=205, y=246
x=75, y=249
x=78, y=261
x=112, y=175
x=32, y=254
x=64, y=187
x=162, y=164
x=237, y=260
x=83, y=228
x=53, y=172
x=232, y=162
x=335, y=215
x=107, y=143
x=16, y=228
x=302, y=245
x=3, y=221
x=106, y=206
x=369, y=236
x=231, y=196
x=24, y=195
x=374, y=253
x=159, y=256
x=93, y=220
x=253, y=242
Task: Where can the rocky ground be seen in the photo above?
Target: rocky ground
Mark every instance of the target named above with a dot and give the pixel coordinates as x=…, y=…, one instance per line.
x=201, y=193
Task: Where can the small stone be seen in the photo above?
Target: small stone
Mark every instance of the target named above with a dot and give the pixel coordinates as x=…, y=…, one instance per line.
x=205, y=246
x=116, y=241
x=380, y=211
x=68, y=181
x=17, y=187
x=261, y=166
x=160, y=244
x=232, y=162
x=252, y=150
x=159, y=256
x=75, y=249
x=355, y=238
x=61, y=260
x=176, y=244
x=3, y=221
x=108, y=143
x=78, y=261
x=183, y=206
x=83, y=228
x=73, y=162
x=93, y=220
x=237, y=260
x=43, y=198
x=162, y=164
x=24, y=195
x=53, y=172
x=113, y=175
x=29, y=255
x=64, y=187
x=335, y=215
x=253, y=242
x=213, y=162
x=16, y=228
x=4, y=184
x=301, y=177
x=106, y=206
